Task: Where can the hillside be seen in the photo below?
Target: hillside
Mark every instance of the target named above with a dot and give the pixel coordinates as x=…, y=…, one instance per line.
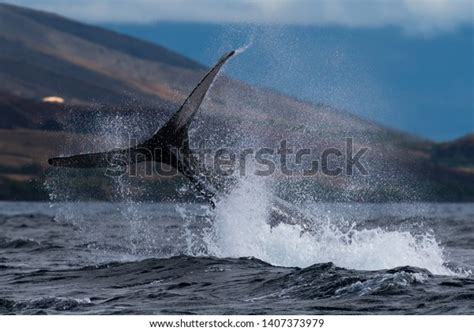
x=109, y=87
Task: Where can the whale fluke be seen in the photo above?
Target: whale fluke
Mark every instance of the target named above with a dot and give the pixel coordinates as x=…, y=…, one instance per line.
x=174, y=134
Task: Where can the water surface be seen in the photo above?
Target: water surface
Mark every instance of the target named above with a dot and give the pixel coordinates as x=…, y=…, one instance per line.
x=127, y=258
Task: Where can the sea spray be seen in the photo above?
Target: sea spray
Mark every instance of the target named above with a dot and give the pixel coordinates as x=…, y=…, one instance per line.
x=193, y=228
x=243, y=48
x=141, y=240
x=241, y=228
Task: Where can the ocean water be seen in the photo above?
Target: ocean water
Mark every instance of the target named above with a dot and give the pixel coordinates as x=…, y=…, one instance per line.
x=138, y=258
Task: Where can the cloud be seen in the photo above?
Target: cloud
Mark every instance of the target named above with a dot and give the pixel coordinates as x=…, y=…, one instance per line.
x=418, y=16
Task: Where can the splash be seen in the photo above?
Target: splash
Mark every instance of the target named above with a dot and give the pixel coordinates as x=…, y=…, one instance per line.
x=241, y=229
x=115, y=131
x=243, y=48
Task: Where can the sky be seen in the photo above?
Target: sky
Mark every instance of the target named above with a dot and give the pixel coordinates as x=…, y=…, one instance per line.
x=425, y=16
x=408, y=64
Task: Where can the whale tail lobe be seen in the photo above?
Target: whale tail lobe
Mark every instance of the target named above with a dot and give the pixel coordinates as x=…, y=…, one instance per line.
x=174, y=134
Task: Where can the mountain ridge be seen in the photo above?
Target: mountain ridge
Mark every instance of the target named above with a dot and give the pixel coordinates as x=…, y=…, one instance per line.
x=116, y=85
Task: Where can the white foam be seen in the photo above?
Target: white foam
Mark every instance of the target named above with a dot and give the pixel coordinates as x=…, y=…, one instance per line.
x=241, y=229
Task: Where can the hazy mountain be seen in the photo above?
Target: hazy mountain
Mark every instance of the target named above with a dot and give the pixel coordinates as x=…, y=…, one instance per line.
x=411, y=78
x=69, y=87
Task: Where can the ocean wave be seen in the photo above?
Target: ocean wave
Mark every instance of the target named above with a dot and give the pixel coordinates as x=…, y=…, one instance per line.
x=42, y=305
x=211, y=281
x=25, y=243
x=19, y=243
